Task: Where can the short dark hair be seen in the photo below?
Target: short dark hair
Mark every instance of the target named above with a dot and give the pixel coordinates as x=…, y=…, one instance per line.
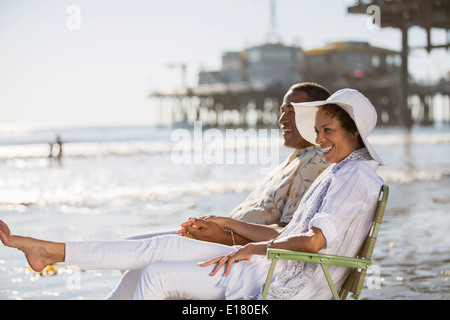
x=315, y=91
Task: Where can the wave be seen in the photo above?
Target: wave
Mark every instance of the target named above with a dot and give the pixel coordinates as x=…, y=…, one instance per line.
x=86, y=149
x=123, y=195
x=97, y=197
x=123, y=148
x=31, y=180
x=386, y=140
x=405, y=176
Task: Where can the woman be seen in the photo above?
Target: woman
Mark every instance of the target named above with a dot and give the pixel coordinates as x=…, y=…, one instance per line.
x=333, y=217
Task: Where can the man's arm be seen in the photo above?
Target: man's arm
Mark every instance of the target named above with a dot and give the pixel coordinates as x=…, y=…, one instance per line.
x=227, y=230
x=214, y=229
x=211, y=232
x=252, y=231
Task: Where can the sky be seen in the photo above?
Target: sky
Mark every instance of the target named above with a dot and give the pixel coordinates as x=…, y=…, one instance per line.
x=95, y=62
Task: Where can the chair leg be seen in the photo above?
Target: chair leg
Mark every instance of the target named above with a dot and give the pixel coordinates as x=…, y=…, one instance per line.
x=269, y=278
x=330, y=281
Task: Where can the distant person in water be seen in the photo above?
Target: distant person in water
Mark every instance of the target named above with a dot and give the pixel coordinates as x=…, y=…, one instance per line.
x=59, y=144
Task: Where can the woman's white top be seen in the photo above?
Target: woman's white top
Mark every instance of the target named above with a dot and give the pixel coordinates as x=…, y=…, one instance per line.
x=341, y=203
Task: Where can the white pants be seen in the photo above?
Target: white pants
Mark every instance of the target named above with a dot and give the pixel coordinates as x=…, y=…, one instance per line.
x=169, y=265
x=130, y=278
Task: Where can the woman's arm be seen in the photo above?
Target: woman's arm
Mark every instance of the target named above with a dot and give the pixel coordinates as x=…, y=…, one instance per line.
x=312, y=241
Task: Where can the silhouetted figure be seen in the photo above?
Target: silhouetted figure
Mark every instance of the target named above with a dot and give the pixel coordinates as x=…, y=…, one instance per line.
x=59, y=143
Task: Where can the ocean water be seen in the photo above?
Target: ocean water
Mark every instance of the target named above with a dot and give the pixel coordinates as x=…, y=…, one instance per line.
x=113, y=182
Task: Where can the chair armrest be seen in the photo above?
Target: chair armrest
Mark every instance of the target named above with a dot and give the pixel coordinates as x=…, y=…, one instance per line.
x=318, y=258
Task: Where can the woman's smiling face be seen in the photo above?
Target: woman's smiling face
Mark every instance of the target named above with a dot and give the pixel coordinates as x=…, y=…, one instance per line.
x=336, y=142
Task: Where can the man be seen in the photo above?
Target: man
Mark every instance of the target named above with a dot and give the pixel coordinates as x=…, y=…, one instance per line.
x=276, y=199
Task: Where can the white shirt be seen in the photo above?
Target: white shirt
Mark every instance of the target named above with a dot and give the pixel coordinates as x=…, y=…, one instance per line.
x=344, y=218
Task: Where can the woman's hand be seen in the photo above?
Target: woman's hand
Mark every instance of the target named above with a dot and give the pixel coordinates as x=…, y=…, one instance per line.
x=244, y=253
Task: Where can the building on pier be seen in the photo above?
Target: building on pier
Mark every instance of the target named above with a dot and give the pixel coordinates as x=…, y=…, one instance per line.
x=372, y=70
x=247, y=90
x=250, y=86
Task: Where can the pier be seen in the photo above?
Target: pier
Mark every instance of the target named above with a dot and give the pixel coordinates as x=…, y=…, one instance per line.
x=248, y=89
x=402, y=15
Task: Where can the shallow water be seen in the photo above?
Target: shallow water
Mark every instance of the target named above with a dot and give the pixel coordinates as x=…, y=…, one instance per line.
x=115, y=182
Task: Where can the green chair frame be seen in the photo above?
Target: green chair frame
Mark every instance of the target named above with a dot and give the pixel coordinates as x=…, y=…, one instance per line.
x=355, y=280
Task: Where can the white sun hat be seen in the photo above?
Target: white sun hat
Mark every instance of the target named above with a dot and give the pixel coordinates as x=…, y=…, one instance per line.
x=353, y=102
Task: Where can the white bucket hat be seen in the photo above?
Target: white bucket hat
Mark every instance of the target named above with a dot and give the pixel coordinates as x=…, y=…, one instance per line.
x=353, y=102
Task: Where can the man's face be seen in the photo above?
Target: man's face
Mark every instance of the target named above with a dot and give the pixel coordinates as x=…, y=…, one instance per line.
x=292, y=137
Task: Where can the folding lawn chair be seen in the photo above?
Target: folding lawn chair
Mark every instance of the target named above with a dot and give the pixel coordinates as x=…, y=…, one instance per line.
x=355, y=280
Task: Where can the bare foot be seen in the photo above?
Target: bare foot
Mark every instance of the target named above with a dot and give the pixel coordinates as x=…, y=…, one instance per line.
x=39, y=253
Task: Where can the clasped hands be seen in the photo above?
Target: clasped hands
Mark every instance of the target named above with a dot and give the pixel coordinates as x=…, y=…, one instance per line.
x=212, y=229
x=206, y=228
